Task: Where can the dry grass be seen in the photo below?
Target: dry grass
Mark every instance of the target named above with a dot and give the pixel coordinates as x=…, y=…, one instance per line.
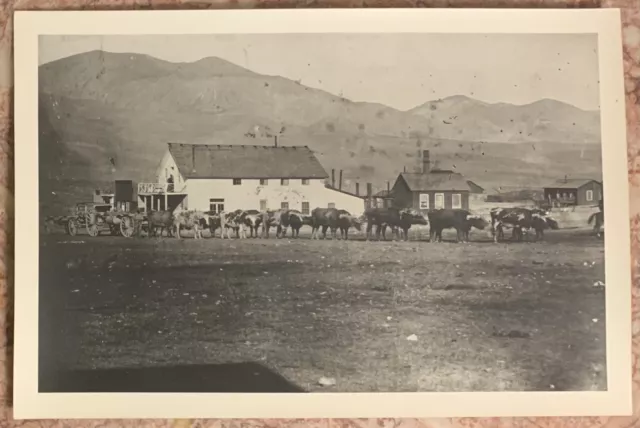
x=487, y=316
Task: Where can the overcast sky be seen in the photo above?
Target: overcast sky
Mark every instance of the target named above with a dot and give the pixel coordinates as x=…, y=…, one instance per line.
x=399, y=70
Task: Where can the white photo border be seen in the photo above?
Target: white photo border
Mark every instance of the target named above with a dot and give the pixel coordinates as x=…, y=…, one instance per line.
x=30, y=404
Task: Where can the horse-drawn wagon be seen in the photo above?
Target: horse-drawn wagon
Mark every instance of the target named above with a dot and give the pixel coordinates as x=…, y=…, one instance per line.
x=97, y=218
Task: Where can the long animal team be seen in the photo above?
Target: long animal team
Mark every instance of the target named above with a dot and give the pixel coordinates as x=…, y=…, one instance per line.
x=259, y=223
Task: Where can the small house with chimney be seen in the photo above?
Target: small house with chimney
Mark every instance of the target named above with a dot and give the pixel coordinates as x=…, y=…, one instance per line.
x=573, y=192
x=218, y=178
x=433, y=188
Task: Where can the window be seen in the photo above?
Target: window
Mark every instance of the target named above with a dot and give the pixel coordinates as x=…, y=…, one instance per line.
x=305, y=208
x=589, y=195
x=439, y=201
x=237, y=181
x=424, y=201
x=216, y=205
x=284, y=205
x=284, y=182
x=456, y=201
x=263, y=205
x=332, y=205
x=264, y=181
x=305, y=181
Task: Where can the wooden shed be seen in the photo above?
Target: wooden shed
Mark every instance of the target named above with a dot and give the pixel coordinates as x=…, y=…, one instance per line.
x=431, y=190
x=573, y=191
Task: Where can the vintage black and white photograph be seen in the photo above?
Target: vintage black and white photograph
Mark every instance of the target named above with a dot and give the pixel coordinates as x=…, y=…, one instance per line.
x=352, y=213
x=323, y=212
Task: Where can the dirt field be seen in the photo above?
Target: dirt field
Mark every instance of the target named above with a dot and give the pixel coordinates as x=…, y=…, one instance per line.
x=486, y=317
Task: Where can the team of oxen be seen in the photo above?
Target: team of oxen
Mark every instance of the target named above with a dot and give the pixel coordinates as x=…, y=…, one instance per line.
x=237, y=223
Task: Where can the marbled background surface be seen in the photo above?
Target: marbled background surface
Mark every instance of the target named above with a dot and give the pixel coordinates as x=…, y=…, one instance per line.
x=631, y=38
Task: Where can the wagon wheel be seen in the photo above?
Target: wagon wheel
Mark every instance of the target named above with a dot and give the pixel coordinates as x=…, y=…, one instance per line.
x=72, y=227
x=127, y=226
x=92, y=228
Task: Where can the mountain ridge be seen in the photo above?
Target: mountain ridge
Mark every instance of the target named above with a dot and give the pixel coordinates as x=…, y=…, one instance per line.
x=99, y=105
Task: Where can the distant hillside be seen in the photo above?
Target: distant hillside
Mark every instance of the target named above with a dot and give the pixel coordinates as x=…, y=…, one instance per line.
x=97, y=107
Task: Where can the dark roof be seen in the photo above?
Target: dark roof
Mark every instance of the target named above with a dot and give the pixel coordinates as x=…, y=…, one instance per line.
x=444, y=182
x=474, y=187
x=571, y=183
x=226, y=161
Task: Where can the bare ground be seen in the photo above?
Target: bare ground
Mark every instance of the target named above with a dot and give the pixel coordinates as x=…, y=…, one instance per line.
x=487, y=317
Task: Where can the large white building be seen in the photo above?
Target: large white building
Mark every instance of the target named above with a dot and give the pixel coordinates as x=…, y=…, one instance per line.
x=223, y=177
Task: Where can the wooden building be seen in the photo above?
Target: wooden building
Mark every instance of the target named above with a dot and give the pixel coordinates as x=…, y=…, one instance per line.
x=433, y=189
x=228, y=177
x=573, y=191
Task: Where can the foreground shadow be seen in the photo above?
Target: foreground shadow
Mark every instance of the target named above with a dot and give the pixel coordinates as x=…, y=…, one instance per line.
x=238, y=377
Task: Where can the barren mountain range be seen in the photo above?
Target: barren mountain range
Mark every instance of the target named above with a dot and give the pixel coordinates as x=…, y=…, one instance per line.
x=106, y=116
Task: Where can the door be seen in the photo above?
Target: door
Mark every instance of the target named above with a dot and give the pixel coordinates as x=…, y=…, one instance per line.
x=439, y=201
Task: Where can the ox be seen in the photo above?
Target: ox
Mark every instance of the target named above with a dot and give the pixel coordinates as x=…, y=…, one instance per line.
x=278, y=219
x=397, y=219
x=234, y=220
x=460, y=220
x=325, y=218
x=521, y=220
x=193, y=220
x=253, y=220
x=159, y=220
x=296, y=220
x=346, y=221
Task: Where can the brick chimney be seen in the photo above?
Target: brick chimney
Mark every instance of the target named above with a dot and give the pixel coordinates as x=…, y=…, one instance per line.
x=426, y=165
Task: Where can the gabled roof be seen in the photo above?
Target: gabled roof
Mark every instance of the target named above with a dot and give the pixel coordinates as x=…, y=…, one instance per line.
x=419, y=182
x=571, y=183
x=474, y=187
x=239, y=161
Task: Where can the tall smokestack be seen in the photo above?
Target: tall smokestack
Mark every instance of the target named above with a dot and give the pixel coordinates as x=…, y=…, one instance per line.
x=426, y=165
x=357, y=189
x=276, y=140
x=333, y=178
x=388, y=187
x=369, y=195
x=340, y=181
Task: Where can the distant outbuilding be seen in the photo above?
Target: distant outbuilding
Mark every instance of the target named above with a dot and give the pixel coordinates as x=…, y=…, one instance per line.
x=573, y=191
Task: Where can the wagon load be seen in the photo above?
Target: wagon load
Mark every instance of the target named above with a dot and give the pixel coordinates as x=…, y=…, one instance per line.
x=98, y=218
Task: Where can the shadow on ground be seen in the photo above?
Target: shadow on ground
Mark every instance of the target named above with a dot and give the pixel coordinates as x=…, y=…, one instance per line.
x=239, y=377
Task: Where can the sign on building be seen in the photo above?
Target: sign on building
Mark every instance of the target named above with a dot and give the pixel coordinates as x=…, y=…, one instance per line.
x=151, y=188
